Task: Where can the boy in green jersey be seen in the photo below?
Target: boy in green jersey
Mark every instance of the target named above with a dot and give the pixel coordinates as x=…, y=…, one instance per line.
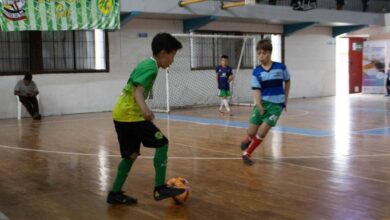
x=133, y=122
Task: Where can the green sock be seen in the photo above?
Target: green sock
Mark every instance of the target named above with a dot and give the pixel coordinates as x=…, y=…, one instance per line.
x=160, y=165
x=123, y=170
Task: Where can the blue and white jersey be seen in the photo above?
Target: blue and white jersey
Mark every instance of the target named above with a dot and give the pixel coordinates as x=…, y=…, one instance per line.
x=223, y=74
x=388, y=75
x=270, y=82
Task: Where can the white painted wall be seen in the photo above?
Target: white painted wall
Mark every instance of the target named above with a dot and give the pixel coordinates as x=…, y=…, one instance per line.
x=309, y=57
x=244, y=27
x=90, y=92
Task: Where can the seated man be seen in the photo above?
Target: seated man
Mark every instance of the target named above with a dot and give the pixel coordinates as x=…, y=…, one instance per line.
x=27, y=91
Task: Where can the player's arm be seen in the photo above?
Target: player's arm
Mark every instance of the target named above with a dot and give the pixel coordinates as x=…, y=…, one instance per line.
x=140, y=99
x=33, y=94
x=259, y=104
x=230, y=79
x=256, y=87
x=287, y=84
x=36, y=91
x=216, y=73
x=17, y=89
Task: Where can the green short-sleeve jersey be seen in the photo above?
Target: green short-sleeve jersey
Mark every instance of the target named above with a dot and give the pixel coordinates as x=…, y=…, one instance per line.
x=126, y=108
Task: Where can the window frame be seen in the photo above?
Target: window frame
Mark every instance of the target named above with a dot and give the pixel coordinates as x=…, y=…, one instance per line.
x=237, y=33
x=36, y=61
x=10, y=73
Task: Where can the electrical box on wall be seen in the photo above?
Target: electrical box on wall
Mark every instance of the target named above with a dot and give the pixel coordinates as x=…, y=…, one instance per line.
x=143, y=35
x=357, y=46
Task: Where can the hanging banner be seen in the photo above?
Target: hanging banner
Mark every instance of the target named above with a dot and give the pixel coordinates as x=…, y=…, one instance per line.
x=56, y=15
x=374, y=65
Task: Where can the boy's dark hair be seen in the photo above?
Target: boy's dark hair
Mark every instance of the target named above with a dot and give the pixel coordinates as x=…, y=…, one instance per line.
x=28, y=76
x=165, y=41
x=265, y=45
x=224, y=57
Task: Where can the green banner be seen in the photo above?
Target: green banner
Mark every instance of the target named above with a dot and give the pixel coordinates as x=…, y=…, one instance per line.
x=56, y=15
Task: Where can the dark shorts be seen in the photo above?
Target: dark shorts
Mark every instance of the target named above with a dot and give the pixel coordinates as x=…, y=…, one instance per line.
x=132, y=134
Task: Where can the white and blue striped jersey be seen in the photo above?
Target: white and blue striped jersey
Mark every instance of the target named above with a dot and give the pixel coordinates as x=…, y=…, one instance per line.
x=270, y=82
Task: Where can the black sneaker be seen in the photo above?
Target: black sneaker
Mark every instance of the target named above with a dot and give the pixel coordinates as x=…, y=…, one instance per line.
x=244, y=146
x=38, y=117
x=247, y=160
x=164, y=192
x=120, y=198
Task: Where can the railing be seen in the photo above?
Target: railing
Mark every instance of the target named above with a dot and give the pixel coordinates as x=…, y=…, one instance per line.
x=374, y=6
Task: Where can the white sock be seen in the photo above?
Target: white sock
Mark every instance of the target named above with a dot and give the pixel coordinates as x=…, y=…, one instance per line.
x=226, y=103
x=221, y=106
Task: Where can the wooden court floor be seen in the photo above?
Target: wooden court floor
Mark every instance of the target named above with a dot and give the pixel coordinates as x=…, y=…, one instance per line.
x=326, y=159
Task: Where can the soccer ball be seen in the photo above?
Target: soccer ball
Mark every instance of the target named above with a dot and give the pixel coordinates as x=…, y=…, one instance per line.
x=180, y=182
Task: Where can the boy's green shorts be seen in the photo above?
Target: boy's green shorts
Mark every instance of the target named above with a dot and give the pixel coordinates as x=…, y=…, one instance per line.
x=224, y=93
x=271, y=114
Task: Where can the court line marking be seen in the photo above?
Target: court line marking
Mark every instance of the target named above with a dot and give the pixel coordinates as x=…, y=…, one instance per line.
x=207, y=158
x=3, y=217
x=372, y=129
x=234, y=155
x=330, y=108
x=385, y=131
x=296, y=115
x=331, y=171
x=150, y=214
x=209, y=121
x=54, y=121
x=331, y=156
x=115, y=155
x=307, y=167
x=233, y=124
x=239, y=124
x=291, y=157
x=57, y=152
x=109, y=118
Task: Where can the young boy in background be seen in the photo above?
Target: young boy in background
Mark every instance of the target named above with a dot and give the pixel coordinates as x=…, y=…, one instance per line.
x=224, y=78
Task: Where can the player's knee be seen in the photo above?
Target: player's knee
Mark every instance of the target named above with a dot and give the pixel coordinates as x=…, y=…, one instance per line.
x=133, y=156
x=251, y=134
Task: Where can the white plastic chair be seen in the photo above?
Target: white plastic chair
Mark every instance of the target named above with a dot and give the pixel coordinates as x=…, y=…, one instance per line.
x=19, y=106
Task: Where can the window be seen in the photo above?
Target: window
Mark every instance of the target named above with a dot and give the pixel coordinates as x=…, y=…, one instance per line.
x=58, y=51
x=206, y=52
x=53, y=52
x=72, y=51
x=14, y=52
x=277, y=44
